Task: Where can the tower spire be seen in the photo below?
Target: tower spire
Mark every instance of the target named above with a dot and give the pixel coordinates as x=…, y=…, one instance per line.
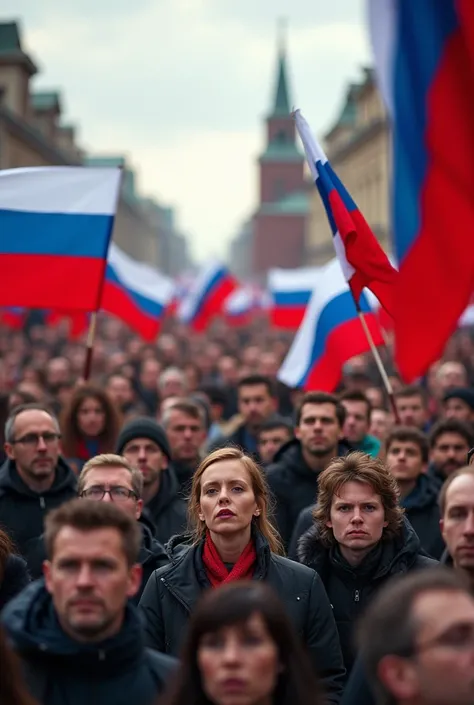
x=282, y=102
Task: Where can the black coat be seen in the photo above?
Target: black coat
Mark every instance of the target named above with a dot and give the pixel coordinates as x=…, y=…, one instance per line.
x=168, y=509
x=422, y=511
x=172, y=592
x=60, y=671
x=22, y=510
x=350, y=588
x=236, y=439
x=293, y=485
x=15, y=578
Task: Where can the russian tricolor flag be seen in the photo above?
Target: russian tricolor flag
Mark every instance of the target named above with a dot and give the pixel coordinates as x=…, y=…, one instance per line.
x=363, y=261
x=425, y=62
x=136, y=293
x=206, y=296
x=290, y=291
x=55, y=228
x=331, y=333
x=241, y=306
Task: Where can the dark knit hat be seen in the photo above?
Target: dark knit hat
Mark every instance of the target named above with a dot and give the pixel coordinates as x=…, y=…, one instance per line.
x=463, y=393
x=143, y=427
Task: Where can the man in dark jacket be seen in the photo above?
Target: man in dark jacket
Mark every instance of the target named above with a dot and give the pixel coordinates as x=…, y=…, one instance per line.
x=144, y=444
x=293, y=477
x=359, y=539
x=77, y=633
x=184, y=423
x=34, y=478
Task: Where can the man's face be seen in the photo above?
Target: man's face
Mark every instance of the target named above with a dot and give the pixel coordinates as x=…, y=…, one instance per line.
x=356, y=425
x=149, y=373
x=405, y=461
x=456, y=408
x=120, y=390
x=148, y=457
x=255, y=404
x=457, y=522
x=90, y=582
x=269, y=442
x=411, y=411
x=449, y=453
x=35, y=447
x=228, y=370
x=108, y=478
x=319, y=430
x=357, y=517
x=185, y=435
x=381, y=423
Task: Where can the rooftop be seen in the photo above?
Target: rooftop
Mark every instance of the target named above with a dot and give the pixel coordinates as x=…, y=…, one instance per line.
x=11, y=48
x=281, y=152
x=45, y=100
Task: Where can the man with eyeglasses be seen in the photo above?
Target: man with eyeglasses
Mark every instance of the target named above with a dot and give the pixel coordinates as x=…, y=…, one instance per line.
x=34, y=479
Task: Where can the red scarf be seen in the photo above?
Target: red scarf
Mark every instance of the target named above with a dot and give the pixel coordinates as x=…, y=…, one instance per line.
x=217, y=572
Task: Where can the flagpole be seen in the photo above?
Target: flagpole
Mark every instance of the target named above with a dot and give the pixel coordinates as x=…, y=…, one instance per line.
x=90, y=346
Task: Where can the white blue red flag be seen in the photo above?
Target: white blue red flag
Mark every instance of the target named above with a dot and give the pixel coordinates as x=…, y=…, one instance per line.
x=205, y=298
x=290, y=291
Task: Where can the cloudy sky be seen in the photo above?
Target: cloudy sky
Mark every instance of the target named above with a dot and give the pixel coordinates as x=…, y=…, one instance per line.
x=181, y=87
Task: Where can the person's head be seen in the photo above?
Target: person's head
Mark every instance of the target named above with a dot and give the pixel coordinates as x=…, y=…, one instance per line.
x=416, y=640
x=144, y=444
x=456, y=506
x=319, y=422
x=268, y=364
x=358, y=504
x=90, y=414
x=381, y=423
x=58, y=370
x=376, y=396
x=357, y=421
x=242, y=649
x=150, y=370
x=272, y=435
x=411, y=406
x=172, y=383
x=92, y=567
x=458, y=403
x=217, y=398
x=229, y=495
x=111, y=478
x=450, y=374
x=32, y=440
x=120, y=390
x=406, y=452
x=12, y=689
x=256, y=399
x=450, y=441
x=184, y=424
x=228, y=367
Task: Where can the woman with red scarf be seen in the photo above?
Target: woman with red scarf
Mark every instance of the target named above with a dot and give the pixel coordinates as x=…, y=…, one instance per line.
x=233, y=539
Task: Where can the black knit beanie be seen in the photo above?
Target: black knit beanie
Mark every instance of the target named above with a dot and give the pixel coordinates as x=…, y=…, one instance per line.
x=143, y=427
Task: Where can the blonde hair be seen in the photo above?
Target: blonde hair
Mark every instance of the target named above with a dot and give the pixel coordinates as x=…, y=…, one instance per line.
x=259, y=487
x=110, y=460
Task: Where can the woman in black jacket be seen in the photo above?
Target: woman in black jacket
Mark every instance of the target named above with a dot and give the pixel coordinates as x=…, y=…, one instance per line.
x=13, y=571
x=233, y=539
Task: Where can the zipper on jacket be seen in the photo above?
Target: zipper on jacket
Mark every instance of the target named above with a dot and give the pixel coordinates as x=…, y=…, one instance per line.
x=42, y=503
x=175, y=595
x=356, y=595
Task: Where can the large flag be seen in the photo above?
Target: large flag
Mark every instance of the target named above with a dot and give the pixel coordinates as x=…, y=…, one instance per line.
x=55, y=228
x=136, y=293
x=425, y=62
x=13, y=317
x=331, y=333
x=290, y=291
x=363, y=261
x=206, y=296
x=242, y=305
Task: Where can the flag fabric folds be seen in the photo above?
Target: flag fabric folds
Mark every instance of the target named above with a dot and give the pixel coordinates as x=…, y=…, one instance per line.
x=55, y=228
x=330, y=334
x=136, y=293
x=205, y=298
x=290, y=291
x=425, y=63
x=363, y=261
x=241, y=306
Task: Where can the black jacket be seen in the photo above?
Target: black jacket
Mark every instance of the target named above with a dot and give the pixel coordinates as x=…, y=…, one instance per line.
x=351, y=588
x=60, y=671
x=236, y=439
x=168, y=509
x=15, y=578
x=422, y=511
x=22, y=510
x=172, y=592
x=293, y=485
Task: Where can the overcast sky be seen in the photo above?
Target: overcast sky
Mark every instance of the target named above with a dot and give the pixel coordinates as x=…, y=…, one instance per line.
x=181, y=86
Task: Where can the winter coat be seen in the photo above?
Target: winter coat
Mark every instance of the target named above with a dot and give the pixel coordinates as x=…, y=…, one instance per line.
x=236, y=439
x=172, y=592
x=168, y=509
x=422, y=511
x=22, y=510
x=61, y=671
x=15, y=578
x=293, y=485
x=350, y=588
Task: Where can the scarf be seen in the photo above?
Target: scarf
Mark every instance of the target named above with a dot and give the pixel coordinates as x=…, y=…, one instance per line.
x=88, y=448
x=217, y=572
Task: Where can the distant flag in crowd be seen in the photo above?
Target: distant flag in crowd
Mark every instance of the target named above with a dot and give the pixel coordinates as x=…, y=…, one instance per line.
x=206, y=296
x=363, y=261
x=55, y=228
x=330, y=334
x=425, y=62
x=13, y=317
x=136, y=293
x=290, y=291
x=242, y=305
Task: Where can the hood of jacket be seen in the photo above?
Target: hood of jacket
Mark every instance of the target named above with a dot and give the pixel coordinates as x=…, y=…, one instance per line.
x=11, y=482
x=424, y=494
x=151, y=550
x=290, y=456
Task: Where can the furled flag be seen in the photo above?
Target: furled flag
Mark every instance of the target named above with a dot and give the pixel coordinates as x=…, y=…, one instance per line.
x=425, y=63
x=363, y=261
x=290, y=291
x=136, y=293
x=330, y=334
x=205, y=297
x=55, y=228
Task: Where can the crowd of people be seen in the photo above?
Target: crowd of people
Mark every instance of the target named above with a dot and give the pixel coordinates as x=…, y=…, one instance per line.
x=183, y=528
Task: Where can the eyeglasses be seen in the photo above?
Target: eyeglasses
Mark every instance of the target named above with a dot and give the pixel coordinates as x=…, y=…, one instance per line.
x=116, y=493
x=32, y=439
